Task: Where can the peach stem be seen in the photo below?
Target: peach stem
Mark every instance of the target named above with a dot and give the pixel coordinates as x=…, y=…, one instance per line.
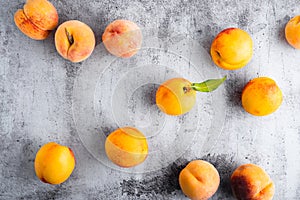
x=70, y=37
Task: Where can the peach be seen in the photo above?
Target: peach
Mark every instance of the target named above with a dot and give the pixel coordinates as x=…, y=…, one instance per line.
x=122, y=38
x=41, y=13
x=261, y=96
x=251, y=182
x=173, y=99
x=126, y=147
x=199, y=180
x=232, y=49
x=292, y=32
x=74, y=40
x=37, y=19
x=28, y=28
x=54, y=163
x=177, y=96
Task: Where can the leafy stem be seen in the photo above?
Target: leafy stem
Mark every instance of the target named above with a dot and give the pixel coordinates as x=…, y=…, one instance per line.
x=208, y=85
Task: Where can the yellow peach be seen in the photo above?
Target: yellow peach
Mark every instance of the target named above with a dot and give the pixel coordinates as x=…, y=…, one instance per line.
x=292, y=32
x=122, y=38
x=74, y=40
x=232, y=49
x=54, y=163
x=251, y=182
x=126, y=147
x=199, y=180
x=261, y=96
x=173, y=97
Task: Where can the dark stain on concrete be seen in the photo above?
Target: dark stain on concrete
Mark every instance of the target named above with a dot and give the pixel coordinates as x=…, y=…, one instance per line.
x=107, y=129
x=257, y=28
x=71, y=72
x=166, y=182
x=281, y=23
x=28, y=152
x=57, y=192
x=234, y=86
x=210, y=32
x=243, y=18
x=163, y=27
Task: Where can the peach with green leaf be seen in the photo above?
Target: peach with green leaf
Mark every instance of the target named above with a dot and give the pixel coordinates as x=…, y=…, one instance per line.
x=177, y=96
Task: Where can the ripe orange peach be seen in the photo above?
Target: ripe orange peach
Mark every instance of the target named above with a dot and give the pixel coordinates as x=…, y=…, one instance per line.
x=199, y=180
x=28, y=28
x=292, y=32
x=41, y=13
x=251, y=182
x=74, y=40
x=54, y=163
x=37, y=19
x=122, y=38
x=261, y=96
x=232, y=49
x=177, y=96
x=126, y=147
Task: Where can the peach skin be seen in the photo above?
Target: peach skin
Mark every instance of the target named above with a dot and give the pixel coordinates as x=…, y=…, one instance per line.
x=126, y=147
x=74, y=40
x=261, y=96
x=54, y=163
x=292, y=32
x=37, y=19
x=28, y=28
x=122, y=38
x=41, y=13
x=172, y=99
x=251, y=182
x=232, y=49
x=199, y=180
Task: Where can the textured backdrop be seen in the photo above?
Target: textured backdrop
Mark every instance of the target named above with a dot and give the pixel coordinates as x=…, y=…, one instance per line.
x=36, y=87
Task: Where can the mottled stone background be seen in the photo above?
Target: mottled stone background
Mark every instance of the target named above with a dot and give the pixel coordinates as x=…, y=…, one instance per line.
x=36, y=87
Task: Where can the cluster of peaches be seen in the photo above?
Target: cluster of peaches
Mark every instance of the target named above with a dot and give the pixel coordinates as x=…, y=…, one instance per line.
x=74, y=40
x=231, y=49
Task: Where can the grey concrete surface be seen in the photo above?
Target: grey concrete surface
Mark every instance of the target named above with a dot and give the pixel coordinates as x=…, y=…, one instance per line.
x=36, y=93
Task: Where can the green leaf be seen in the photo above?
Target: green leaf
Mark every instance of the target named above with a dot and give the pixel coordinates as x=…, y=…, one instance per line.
x=208, y=85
